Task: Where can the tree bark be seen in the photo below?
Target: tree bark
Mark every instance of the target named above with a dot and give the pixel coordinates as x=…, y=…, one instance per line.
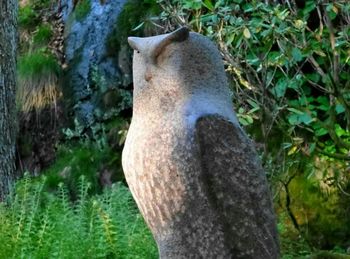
x=8, y=126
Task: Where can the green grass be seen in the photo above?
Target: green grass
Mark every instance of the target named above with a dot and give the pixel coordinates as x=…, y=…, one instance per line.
x=36, y=64
x=43, y=35
x=27, y=17
x=36, y=223
x=37, y=80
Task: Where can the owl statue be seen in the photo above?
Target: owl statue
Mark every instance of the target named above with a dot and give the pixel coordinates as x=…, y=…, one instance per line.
x=192, y=170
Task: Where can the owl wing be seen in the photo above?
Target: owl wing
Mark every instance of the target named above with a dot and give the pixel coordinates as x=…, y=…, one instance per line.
x=235, y=183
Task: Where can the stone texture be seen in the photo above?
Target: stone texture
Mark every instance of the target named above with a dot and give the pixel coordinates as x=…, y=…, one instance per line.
x=85, y=50
x=193, y=172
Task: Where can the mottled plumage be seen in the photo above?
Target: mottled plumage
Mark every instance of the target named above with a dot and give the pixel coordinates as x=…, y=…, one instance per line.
x=192, y=170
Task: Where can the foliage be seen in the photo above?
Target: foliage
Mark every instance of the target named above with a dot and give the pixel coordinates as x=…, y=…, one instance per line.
x=290, y=68
x=90, y=160
x=82, y=9
x=107, y=115
x=36, y=223
x=37, y=80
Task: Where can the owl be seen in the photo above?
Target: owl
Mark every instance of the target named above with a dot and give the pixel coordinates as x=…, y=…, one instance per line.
x=191, y=169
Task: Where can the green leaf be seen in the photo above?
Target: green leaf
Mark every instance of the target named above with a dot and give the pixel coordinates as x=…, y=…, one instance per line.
x=138, y=26
x=243, y=121
x=299, y=117
x=323, y=100
x=321, y=132
x=286, y=145
x=339, y=108
x=312, y=147
x=246, y=33
x=340, y=131
x=305, y=118
x=230, y=39
x=313, y=77
x=253, y=104
x=192, y=5
x=309, y=6
x=208, y=4
x=293, y=119
x=281, y=87
x=297, y=56
x=249, y=119
x=295, y=111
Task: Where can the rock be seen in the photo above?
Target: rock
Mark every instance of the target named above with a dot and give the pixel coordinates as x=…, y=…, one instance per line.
x=85, y=50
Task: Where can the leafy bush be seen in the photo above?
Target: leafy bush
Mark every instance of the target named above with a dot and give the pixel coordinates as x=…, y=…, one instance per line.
x=40, y=224
x=38, y=80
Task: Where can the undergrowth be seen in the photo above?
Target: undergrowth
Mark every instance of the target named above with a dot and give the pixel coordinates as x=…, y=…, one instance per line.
x=85, y=160
x=37, y=223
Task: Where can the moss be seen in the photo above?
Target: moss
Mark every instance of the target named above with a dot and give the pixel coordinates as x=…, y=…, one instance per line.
x=82, y=9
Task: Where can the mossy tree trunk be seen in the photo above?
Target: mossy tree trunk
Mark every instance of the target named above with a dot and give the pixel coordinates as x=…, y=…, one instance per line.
x=8, y=126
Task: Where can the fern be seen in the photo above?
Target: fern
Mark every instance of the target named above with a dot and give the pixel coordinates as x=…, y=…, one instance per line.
x=37, y=223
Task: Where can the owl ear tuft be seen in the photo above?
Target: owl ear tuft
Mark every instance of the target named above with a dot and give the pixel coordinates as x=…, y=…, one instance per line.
x=134, y=43
x=179, y=35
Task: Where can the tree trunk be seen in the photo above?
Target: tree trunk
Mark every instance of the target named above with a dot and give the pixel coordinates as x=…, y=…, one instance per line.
x=8, y=126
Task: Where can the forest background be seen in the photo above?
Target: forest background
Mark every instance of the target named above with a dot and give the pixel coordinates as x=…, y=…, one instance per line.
x=289, y=67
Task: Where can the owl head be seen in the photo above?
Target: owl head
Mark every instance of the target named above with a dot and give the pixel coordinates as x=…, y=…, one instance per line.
x=176, y=64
